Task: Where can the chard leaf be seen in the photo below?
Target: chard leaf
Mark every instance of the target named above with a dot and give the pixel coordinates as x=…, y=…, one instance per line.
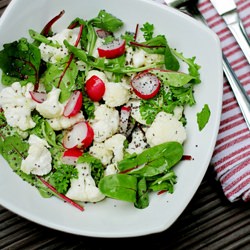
x=56, y=74
x=14, y=150
x=21, y=60
x=119, y=186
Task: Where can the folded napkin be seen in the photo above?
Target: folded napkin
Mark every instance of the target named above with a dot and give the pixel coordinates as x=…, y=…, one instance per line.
x=231, y=157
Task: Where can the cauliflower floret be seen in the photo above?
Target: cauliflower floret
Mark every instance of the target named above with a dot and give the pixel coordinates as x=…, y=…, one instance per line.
x=63, y=122
x=116, y=94
x=98, y=73
x=39, y=158
x=116, y=144
x=164, y=128
x=53, y=54
x=84, y=188
x=139, y=58
x=110, y=169
x=17, y=105
x=106, y=123
x=99, y=151
x=178, y=111
x=138, y=143
x=135, y=111
x=51, y=107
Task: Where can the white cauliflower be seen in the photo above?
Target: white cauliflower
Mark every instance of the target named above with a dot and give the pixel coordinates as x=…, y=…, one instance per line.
x=116, y=94
x=138, y=142
x=53, y=54
x=116, y=144
x=39, y=159
x=51, y=107
x=110, y=169
x=17, y=104
x=99, y=151
x=164, y=128
x=63, y=122
x=139, y=58
x=106, y=123
x=98, y=73
x=84, y=188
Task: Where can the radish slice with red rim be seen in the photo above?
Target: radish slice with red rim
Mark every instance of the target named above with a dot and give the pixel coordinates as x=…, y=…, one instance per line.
x=74, y=104
x=112, y=49
x=70, y=156
x=39, y=97
x=146, y=85
x=124, y=118
x=80, y=136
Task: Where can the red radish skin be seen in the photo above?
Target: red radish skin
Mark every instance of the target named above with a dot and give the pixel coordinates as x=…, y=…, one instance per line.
x=39, y=97
x=70, y=156
x=80, y=136
x=113, y=49
x=146, y=85
x=95, y=88
x=74, y=104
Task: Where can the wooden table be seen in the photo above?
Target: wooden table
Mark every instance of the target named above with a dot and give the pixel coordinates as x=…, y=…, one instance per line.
x=208, y=222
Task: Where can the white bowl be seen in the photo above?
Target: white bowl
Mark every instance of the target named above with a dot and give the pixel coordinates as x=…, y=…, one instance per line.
x=112, y=218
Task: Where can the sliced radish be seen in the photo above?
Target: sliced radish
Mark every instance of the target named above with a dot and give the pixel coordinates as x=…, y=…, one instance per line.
x=38, y=96
x=74, y=104
x=113, y=49
x=70, y=156
x=103, y=33
x=146, y=85
x=80, y=136
x=124, y=118
x=95, y=88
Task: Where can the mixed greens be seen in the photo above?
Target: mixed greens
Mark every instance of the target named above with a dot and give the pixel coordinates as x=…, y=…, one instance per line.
x=87, y=113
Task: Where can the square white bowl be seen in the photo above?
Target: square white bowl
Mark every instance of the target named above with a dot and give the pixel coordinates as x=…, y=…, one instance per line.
x=111, y=218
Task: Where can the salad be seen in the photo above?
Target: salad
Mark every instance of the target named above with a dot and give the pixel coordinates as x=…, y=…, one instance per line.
x=94, y=112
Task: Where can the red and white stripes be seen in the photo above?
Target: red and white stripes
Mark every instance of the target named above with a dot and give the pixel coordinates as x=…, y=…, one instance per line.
x=231, y=157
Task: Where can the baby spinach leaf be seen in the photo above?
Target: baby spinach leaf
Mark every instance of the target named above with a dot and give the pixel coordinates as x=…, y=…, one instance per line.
x=21, y=60
x=119, y=186
x=168, y=153
x=203, y=117
x=106, y=21
x=142, y=200
x=193, y=68
x=173, y=78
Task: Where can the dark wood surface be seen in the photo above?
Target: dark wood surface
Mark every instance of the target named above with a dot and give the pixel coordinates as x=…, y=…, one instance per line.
x=210, y=221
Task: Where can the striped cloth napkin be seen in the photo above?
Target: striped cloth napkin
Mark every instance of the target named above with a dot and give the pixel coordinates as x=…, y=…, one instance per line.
x=231, y=157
